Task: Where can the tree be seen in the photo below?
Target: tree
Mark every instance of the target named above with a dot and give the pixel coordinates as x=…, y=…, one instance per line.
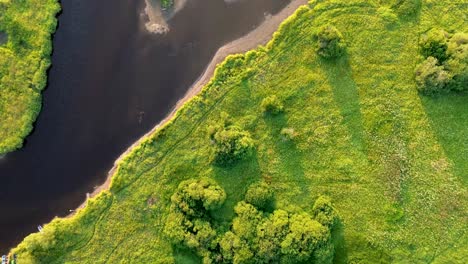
x=435, y=44
x=272, y=105
x=324, y=212
x=457, y=64
x=246, y=222
x=195, y=197
x=260, y=195
x=305, y=236
x=235, y=250
x=231, y=145
x=330, y=42
x=271, y=233
x=432, y=78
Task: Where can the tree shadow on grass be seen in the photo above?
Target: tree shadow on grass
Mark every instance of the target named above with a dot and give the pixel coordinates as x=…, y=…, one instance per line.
x=291, y=158
x=448, y=115
x=3, y=38
x=235, y=179
x=345, y=94
x=338, y=238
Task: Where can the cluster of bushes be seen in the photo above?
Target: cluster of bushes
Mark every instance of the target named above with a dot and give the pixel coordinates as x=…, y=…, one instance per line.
x=330, y=42
x=255, y=235
x=231, y=143
x=445, y=67
x=189, y=223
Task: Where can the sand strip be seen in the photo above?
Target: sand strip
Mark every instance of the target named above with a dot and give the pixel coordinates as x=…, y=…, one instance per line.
x=259, y=36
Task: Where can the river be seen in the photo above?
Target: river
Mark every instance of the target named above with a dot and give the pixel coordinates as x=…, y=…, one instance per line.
x=111, y=81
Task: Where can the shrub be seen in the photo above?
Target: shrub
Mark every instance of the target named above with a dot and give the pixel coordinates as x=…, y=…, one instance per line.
x=330, y=42
x=259, y=195
x=435, y=44
x=195, y=197
x=188, y=223
x=458, y=61
x=431, y=78
x=272, y=105
x=231, y=145
x=306, y=237
x=324, y=212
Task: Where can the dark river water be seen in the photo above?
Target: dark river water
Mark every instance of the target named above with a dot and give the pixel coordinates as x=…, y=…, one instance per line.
x=110, y=82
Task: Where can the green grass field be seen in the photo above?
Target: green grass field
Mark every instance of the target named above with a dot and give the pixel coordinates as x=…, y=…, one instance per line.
x=394, y=162
x=27, y=26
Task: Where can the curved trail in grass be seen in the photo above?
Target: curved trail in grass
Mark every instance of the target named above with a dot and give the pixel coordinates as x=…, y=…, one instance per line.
x=259, y=36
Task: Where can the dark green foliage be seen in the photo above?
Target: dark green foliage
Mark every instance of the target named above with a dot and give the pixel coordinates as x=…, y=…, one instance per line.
x=457, y=64
x=435, y=44
x=189, y=224
x=272, y=105
x=330, y=42
x=279, y=237
x=306, y=237
x=255, y=236
x=445, y=67
x=432, y=78
x=324, y=212
x=195, y=197
x=260, y=195
x=232, y=144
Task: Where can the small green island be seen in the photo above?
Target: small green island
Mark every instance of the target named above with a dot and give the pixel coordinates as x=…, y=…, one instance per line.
x=343, y=140
x=25, y=48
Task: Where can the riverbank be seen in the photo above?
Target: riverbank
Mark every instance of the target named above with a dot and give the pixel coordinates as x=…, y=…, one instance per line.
x=259, y=36
x=24, y=61
x=353, y=128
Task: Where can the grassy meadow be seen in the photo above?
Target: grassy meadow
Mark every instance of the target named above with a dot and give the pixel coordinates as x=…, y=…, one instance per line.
x=25, y=47
x=394, y=162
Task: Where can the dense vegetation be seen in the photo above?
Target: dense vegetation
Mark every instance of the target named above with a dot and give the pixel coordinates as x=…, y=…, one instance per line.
x=26, y=26
x=446, y=66
x=355, y=139
x=255, y=236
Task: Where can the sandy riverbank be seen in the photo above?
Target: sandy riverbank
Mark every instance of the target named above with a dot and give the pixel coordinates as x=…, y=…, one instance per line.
x=259, y=36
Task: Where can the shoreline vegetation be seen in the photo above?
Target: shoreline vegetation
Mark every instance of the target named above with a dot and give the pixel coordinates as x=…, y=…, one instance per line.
x=26, y=29
x=261, y=35
x=347, y=123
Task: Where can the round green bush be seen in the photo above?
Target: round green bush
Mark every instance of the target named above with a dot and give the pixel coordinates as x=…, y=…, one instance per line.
x=435, y=44
x=195, y=197
x=231, y=145
x=432, y=78
x=259, y=195
x=324, y=212
x=272, y=105
x=330, y=42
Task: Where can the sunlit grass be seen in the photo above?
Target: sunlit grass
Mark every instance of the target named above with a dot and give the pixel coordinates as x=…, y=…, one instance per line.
x=24, y=60
x=359, y=132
